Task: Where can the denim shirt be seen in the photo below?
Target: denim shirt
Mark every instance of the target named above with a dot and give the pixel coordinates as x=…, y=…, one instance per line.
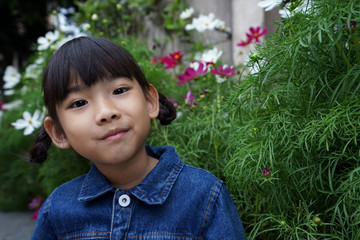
x=174, y=201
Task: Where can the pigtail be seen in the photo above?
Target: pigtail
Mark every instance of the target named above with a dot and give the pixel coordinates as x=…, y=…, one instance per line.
x=167, y=112
x=38, y=153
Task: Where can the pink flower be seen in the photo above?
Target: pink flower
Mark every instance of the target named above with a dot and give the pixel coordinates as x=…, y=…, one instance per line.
x=172, y=60
x=177, y=56
x=224, y=71
x=2, y=107
x=195, y=69
x=35, y=203
x=246, y=42
x=156, y=59
x=173, y=101
x=189, y=99
x=35, y=215
x=255, y=33
x=169, y=62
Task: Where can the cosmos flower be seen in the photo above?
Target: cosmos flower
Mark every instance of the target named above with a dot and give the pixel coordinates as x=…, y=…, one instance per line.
x=223, y=72
x=11, y=77
x=269, y=4
x=194, y=70
x=187, y=13
x=172, y=60
x=243, y=43
x=210, y=56
x=45, y=42
x=29, y=123
x=189, y=99
x=203, y=23
x=292, y=8
x=254, y=34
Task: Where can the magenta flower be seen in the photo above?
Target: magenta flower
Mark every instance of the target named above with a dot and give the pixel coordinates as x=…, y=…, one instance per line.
x=189, y=99
x=172, y=60
x=169, y=62
x=177, y=56
x=2, y=106
x=246, y=42
x=223, y=72
x=173, y=101
x=195, y=70
x=156, y=59
x=256, y=33
x=35, y=215
x=266, y=173
x=36, y=203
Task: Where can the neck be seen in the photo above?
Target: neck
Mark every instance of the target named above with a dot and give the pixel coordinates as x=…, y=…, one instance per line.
x=129, y=174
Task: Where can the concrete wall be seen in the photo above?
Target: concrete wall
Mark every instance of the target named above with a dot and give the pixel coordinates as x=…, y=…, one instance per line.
x=239, y=15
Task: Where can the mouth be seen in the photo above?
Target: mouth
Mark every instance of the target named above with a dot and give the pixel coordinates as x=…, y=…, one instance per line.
x=114, y=134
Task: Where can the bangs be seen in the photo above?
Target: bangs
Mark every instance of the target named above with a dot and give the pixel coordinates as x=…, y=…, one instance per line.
x=85, y=61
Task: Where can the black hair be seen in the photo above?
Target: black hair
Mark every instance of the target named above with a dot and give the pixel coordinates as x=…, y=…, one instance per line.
x=89, y=60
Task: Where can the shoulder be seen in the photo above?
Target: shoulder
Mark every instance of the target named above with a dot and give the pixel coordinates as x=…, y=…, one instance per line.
x=199, y=184
x=71, y=187
x=198, y=176
x=65, y=192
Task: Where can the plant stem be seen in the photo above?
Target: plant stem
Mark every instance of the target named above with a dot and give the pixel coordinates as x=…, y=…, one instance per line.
x=343, y=55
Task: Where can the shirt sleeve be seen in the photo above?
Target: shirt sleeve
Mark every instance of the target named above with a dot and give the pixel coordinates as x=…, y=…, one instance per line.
x=222, y=218
x=44, y=229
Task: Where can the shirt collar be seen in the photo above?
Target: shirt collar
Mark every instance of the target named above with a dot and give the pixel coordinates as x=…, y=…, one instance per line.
x=154, y=189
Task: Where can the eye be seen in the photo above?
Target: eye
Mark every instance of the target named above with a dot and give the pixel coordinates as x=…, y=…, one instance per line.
x=120, y=90
x=78, y=104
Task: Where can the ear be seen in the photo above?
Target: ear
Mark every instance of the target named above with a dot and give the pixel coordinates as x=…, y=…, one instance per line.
x=57, y=137
x=152, y=99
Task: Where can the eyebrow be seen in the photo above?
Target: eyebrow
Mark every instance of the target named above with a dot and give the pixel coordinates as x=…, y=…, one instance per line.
x=81, y=87
x=74, y=89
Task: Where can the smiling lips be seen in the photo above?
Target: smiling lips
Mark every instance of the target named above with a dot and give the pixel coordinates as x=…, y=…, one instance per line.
x=114, y=135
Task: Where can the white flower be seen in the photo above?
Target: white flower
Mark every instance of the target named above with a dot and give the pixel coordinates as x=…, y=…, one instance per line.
x=211, y=56
x=8, y=106
x=33, y=71
x=269, y=4
x=195, y=65
x=29, y=123
x=40, y=60
x=304, y=7
x=45, y=42
x=11, y=77
x=187, y=13
x=12, y=105
x=203, y=23
x=66, y=39
x=220, y=79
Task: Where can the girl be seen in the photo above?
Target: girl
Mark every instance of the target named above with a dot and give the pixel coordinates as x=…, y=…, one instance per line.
x=100, y=104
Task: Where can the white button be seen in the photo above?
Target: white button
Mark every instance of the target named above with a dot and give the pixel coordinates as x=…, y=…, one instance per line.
x=124, y=200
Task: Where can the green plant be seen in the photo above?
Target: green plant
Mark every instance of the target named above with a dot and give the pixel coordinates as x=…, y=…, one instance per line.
x=298, y=116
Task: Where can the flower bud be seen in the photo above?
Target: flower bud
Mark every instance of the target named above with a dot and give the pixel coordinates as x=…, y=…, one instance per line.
x=317, y=221
x=94, y=17
x=266, y=173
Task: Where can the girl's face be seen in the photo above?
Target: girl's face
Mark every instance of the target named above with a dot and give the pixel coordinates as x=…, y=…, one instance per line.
x=107, y=122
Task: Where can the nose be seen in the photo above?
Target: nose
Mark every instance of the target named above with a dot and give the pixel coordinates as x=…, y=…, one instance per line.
x=106, y=111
